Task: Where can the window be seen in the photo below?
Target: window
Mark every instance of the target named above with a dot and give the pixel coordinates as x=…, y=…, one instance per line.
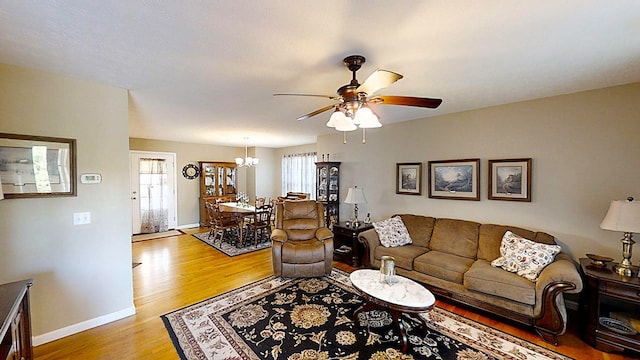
x=299, y=173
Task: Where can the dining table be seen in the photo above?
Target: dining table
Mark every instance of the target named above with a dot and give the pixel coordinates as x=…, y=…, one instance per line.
x=238, y=209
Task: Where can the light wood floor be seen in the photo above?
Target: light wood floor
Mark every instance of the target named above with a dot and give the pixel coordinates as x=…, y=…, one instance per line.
x=181, y=270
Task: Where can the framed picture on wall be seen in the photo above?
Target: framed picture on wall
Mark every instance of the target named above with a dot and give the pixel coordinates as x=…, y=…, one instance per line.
x=454, y=179
x=510, y=179
x=37, y=166
x=409, y=178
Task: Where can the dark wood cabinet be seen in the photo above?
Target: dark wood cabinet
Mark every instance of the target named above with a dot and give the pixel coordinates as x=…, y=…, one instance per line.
x=346, y=247
x=608, y=296
x=328, y=190
x=15, y=333
x=217, y=181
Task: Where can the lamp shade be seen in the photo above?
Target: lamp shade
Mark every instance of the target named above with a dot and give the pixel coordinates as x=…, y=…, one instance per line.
x=355, y=195
x=623, y=215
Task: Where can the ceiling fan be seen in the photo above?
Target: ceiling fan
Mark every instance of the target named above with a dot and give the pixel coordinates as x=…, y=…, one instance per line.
x=352, y=108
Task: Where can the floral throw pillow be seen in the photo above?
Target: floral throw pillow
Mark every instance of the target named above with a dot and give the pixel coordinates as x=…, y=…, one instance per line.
x=525, y=257
x=392, y=232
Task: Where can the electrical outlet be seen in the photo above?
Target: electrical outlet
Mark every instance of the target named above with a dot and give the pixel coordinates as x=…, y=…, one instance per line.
x=81, y=218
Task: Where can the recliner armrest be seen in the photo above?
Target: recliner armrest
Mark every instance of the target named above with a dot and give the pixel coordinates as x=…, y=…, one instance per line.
x=279, y=235
x=323, y=234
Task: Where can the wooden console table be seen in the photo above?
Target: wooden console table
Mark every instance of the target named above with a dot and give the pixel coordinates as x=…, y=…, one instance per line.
x=346, y=247
x=605, y=294
x=15, y=333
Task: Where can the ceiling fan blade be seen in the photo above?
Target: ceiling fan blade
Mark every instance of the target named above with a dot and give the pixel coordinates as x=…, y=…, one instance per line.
x=314, y=113
x=406, y=101
x=332, y=97
x=380, y=79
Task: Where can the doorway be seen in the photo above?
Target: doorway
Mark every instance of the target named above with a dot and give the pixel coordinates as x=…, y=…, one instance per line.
x=153, y=194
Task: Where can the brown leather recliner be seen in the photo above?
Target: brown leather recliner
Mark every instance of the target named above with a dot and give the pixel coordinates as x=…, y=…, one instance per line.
x=302, y=246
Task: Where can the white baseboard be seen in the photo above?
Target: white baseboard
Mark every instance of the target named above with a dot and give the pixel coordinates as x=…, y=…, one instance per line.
x=188, y=226
x=82, y=326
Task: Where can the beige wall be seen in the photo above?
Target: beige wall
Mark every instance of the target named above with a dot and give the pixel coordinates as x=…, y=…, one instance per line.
x=253, y=181
x=82, y=273
x=585, y=152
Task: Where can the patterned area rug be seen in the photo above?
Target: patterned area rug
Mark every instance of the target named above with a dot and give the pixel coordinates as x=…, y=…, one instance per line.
x=297, y=319
x=232, y=249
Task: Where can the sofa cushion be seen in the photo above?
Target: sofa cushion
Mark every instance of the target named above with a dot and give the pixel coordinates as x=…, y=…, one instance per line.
x=490, y=239
x=404, y=255
x=443, y=265
x=392, y=232
x=420, y=228
x=524, y=257
x=457, y=237
x=484, y=278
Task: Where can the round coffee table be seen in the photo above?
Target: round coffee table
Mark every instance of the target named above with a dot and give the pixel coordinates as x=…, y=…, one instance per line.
x=403, y=296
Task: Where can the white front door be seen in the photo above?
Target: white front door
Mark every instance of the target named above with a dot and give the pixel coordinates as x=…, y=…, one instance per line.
x=142, y=188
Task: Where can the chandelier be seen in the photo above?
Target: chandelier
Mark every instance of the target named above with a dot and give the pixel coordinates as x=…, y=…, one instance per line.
x=351, y=115
x=248, y=161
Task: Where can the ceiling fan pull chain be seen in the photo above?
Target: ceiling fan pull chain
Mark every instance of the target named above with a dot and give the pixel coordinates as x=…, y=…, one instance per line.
x=364, y=135
x=344, y=137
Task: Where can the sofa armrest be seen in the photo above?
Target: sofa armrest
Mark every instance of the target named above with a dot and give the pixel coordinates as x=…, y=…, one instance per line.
x=561, y=270
x=556, y=278
x=370, y=240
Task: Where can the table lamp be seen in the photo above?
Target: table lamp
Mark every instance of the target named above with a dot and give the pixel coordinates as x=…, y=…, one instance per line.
x=623, y=215
x=355, y=196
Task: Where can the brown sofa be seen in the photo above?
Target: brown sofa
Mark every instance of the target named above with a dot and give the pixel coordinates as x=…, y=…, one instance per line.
x=453, y=259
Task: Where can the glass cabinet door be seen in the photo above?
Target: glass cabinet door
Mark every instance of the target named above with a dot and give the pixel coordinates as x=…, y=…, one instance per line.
x=220, y=180
x=334, y=175
x=322, y=193
x=209, y=174
x=230, y=178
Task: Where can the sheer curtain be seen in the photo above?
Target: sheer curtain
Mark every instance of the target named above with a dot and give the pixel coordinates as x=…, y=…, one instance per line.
x=154, y=212
x=299, y=173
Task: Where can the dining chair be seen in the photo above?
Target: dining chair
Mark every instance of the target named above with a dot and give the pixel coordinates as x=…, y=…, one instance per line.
x=259, y=226
x=260, y=201
x=223, y=224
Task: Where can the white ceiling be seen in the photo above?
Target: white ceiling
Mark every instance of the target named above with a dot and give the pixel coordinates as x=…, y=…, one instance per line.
x=205, y=71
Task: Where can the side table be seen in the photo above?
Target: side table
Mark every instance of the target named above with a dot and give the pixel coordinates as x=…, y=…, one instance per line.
x=346, y=247
x=608, y=295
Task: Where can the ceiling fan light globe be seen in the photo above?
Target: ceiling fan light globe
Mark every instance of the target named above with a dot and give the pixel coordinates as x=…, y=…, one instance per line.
x=370, y=122
x=366, y=119
x=345, y=124
x=255, y=161
x=335, y=117
x=362, y=115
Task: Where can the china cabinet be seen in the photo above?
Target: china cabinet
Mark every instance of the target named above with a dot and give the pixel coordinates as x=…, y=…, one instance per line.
x=217, y=182
x=328, y=190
